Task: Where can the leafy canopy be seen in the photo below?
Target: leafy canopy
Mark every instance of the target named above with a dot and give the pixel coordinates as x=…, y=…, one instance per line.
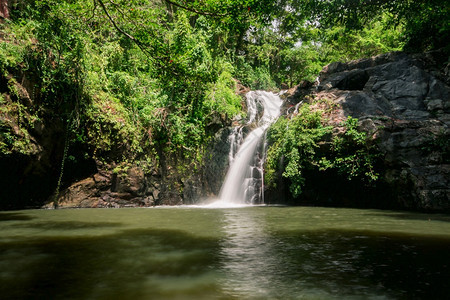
x=166, y=70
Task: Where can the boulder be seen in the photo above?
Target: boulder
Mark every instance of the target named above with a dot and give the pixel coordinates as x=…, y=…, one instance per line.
x=114, y=186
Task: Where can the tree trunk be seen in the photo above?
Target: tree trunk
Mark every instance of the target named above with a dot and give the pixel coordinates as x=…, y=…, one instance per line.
x=4, y=12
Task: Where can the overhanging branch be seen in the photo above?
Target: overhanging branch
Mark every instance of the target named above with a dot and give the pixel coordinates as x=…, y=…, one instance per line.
x=204, y=13
x=132, y=38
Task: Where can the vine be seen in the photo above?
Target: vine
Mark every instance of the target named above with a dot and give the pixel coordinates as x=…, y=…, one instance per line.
x=70, y=123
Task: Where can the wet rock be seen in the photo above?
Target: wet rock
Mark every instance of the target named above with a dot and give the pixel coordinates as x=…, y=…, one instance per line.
x=206, y=183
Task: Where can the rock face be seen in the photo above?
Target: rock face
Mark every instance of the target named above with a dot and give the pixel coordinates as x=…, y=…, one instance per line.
x=32, y=143
x=403, y=101
x=112, y=187
x=31, y=147
x=207, y=182
x=125, y=185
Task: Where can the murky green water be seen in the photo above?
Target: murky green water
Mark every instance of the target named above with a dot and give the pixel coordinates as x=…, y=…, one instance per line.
x=234, y=253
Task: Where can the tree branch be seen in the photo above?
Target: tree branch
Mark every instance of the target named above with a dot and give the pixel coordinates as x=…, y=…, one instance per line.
x=204, y=13
x=132, y=38
x=116, y=26
x=93, y=12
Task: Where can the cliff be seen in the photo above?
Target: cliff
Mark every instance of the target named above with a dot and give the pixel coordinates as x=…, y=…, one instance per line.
x=403, y=102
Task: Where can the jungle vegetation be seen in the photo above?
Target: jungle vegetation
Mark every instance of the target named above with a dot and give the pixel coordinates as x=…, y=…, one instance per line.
x=139, y=79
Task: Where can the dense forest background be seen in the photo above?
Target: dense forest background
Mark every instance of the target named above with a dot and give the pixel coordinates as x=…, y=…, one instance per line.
x=139, y=80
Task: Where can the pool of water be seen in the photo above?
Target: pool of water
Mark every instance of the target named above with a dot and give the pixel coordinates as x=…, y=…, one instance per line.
x=224, y=253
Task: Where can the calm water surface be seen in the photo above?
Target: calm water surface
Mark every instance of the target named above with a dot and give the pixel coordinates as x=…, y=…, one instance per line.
x=232, y=253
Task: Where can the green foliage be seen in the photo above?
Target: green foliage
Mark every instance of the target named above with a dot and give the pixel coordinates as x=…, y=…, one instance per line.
x=14, y=124
x=19, y=143
x=258, y=78
x=131, y=75
x=145, y=76
x=299, y=63
x=353, y=154
x=342, y=44
x=221, y=96
x=295, y=143
x=426, y=22
x=16, y=41
x=295, y=48
x=427, y=25
x=109, y=130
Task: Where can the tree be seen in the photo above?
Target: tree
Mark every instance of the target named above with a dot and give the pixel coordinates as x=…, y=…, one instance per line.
x=426, y=21
x=4, y=10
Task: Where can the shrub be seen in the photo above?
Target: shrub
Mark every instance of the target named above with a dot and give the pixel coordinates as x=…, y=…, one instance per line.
x=295, y=142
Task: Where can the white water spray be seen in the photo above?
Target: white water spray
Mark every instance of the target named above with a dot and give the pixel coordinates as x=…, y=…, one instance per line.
x=243, y=182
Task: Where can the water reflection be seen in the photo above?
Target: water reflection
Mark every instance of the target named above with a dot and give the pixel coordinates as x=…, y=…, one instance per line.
x=130, y=264
x=226, y=253
x=263, y=260
x=7, y=216
x=249, y=265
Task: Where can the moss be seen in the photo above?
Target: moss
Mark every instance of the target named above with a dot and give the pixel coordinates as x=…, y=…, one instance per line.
x=15, y=120
x=109, y=128
x=122, y=169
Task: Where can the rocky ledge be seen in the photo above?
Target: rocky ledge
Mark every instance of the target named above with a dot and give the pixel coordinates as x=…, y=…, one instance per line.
x=402, y=101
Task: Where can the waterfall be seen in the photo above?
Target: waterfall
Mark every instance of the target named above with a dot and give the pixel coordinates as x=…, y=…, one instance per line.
x=244, y=181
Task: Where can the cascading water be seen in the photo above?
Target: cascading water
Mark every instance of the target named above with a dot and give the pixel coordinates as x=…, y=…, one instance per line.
x=243, y=182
